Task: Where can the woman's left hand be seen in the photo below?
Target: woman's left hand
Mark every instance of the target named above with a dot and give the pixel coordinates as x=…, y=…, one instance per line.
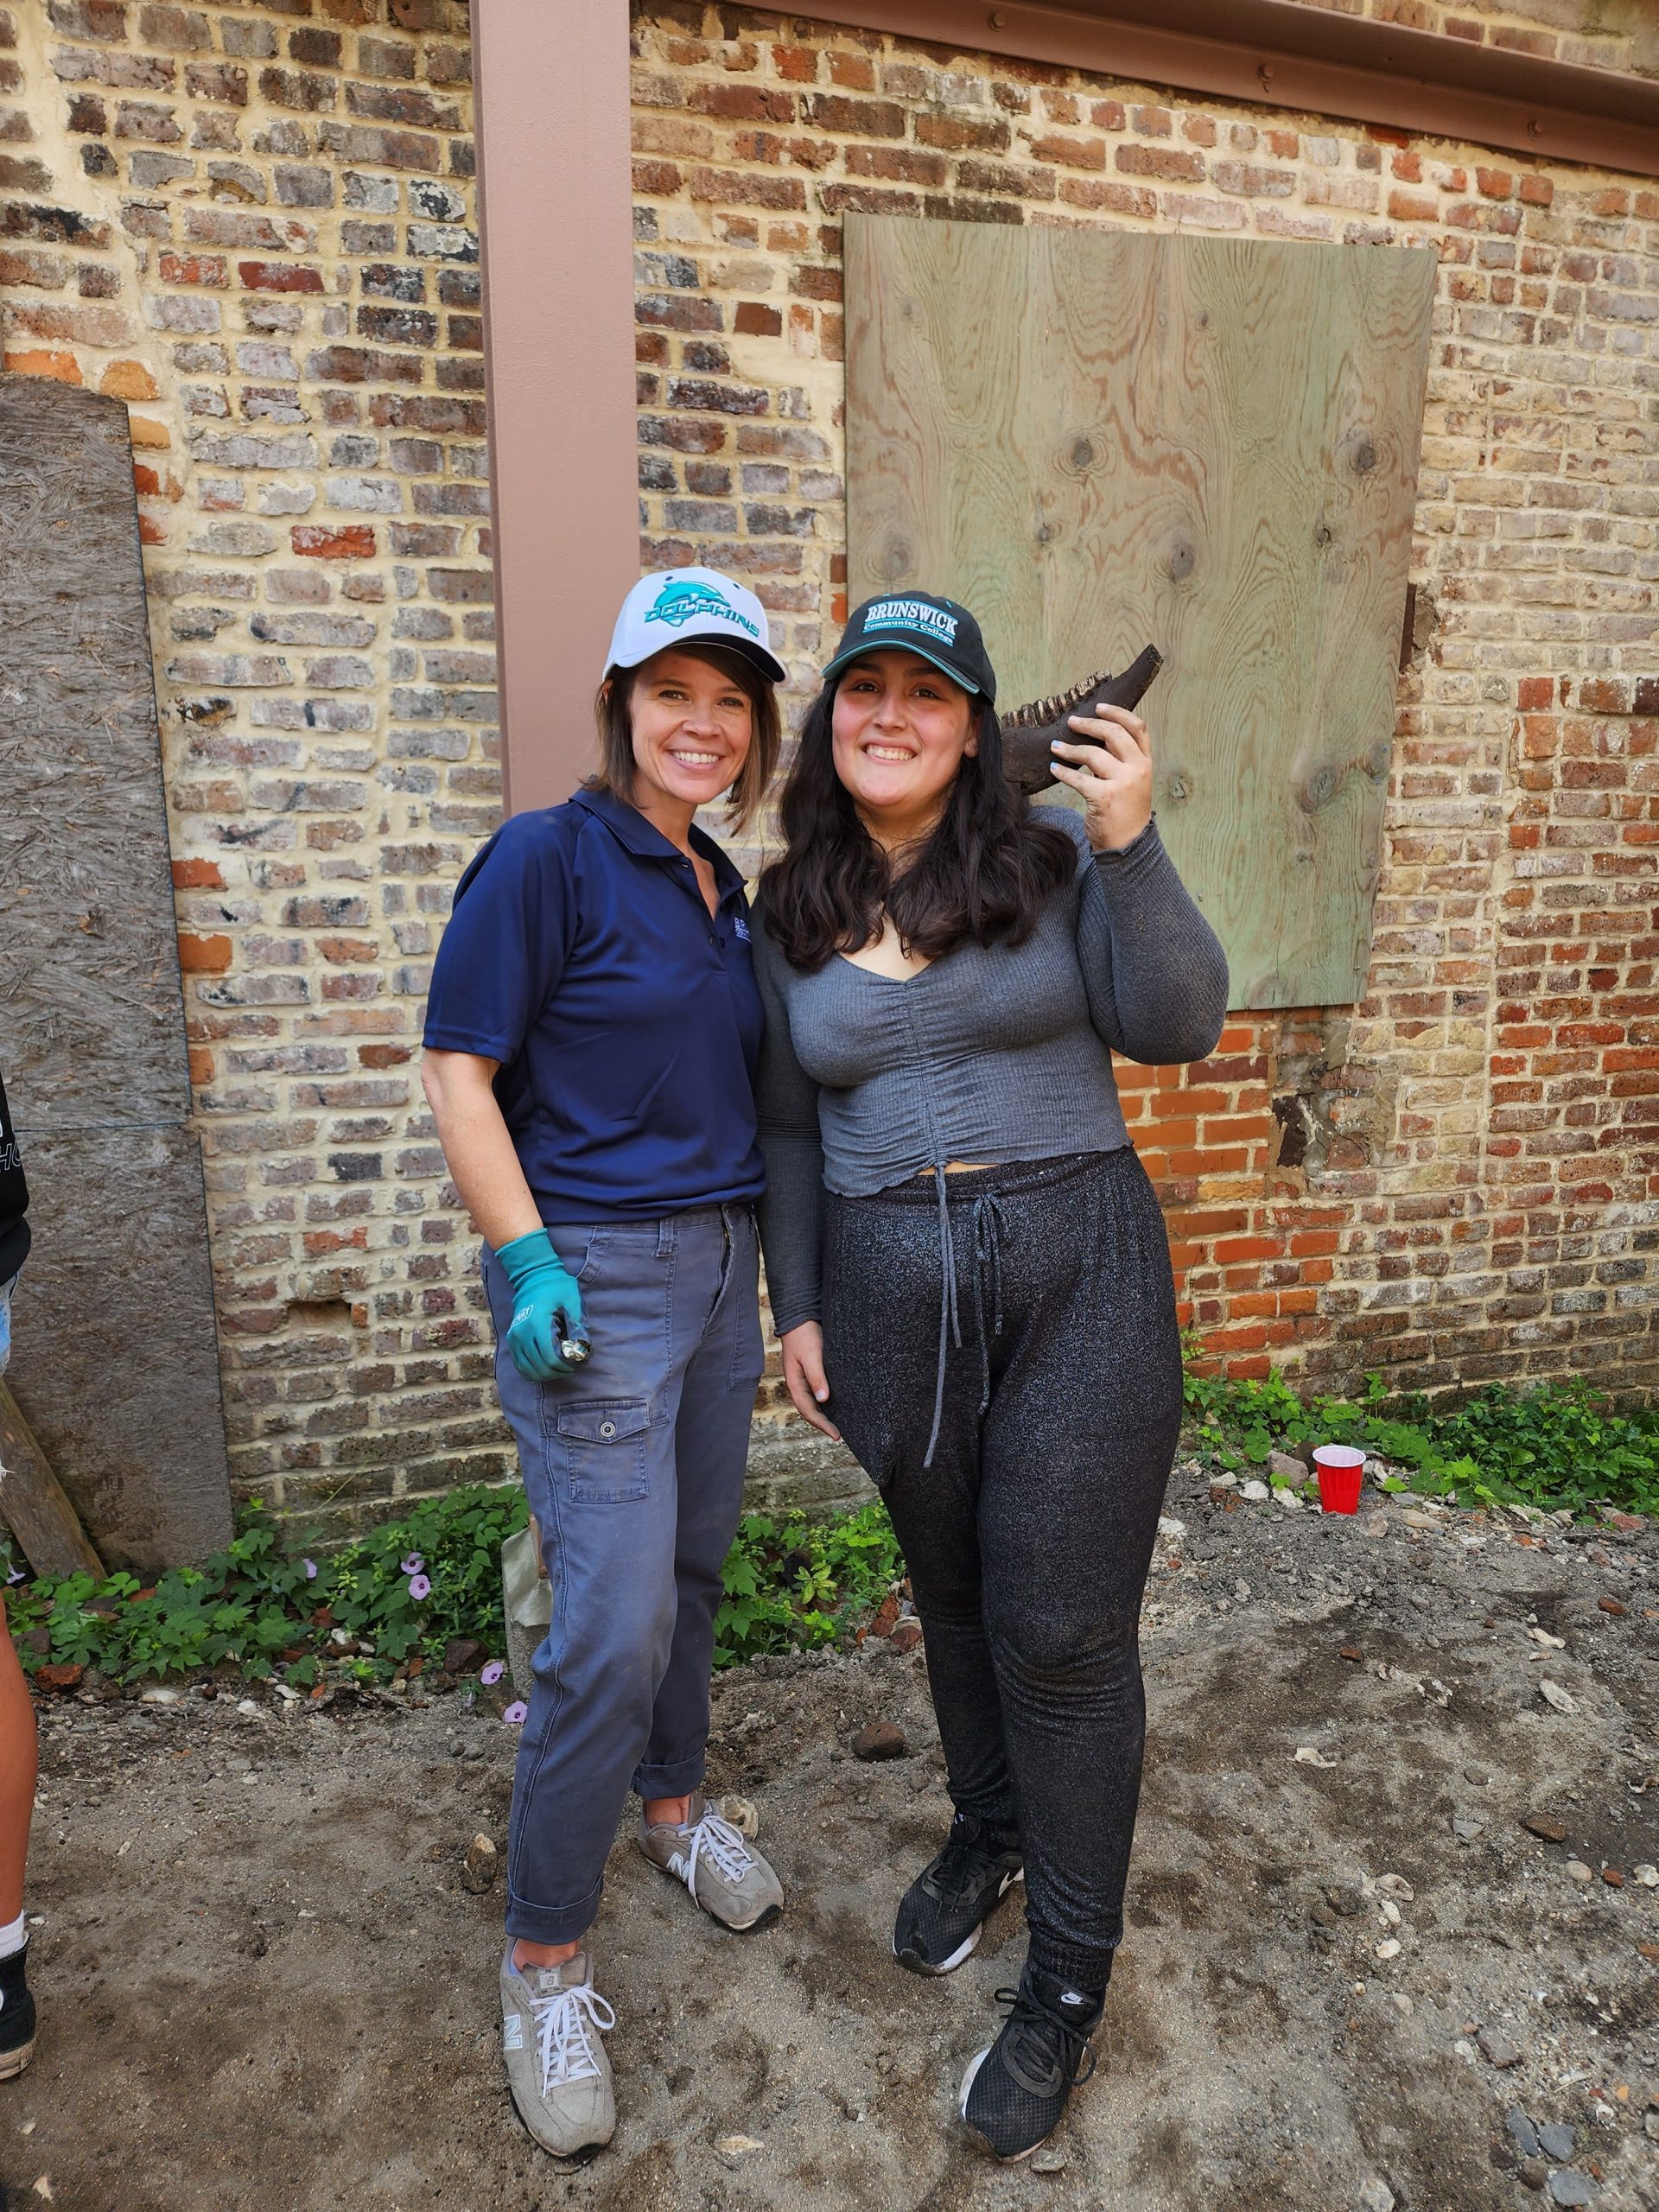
x=1111, y=768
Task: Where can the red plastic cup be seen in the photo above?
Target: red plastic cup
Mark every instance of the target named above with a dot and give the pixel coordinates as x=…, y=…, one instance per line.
x=1339, y=1467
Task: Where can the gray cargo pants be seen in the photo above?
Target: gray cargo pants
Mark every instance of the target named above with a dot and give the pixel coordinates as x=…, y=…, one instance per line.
x=634, y=1467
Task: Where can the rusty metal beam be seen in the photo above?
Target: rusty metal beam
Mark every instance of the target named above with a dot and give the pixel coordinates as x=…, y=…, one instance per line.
x=1309, y=60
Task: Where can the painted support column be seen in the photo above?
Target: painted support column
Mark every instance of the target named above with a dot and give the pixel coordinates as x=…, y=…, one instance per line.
x=557, y=216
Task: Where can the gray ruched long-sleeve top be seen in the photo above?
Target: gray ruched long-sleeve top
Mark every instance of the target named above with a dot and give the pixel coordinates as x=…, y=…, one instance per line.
x=993, y=1053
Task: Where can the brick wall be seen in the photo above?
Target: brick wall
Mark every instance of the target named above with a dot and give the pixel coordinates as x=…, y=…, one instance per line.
x=1454, y=1179
x=1594, y=34
x=253, y=224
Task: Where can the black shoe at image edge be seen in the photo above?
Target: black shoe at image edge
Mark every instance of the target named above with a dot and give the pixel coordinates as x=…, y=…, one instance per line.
x=17, y=2014
x=1014, y=2093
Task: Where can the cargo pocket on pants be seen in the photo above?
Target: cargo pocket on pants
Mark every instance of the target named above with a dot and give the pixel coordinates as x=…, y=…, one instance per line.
x=601, y=1447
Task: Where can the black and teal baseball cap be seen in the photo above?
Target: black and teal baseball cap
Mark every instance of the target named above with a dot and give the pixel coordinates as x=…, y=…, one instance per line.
x=940, y=630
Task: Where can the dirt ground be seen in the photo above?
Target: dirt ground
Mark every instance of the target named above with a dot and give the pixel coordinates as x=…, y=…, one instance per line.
x=264, y=1986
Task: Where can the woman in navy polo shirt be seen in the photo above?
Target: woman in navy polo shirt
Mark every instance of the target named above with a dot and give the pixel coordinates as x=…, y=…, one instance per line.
x=591, y=1043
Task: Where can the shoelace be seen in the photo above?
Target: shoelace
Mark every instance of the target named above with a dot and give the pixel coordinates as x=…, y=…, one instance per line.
x=958, y=1866
x=565, y=2021
x=1059, y=2048
x=955, y=1870
x=721, y=1843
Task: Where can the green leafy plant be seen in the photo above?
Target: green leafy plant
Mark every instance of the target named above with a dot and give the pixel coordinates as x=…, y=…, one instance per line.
x=1553, y=1447
x=265, y=1606
x=390, y=1600
x=799, y=1584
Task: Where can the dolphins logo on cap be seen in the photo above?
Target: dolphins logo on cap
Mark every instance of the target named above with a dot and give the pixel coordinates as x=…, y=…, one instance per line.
x=678, y=604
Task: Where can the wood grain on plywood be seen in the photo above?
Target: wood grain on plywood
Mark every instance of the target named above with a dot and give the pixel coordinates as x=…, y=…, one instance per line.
x=1098, y=440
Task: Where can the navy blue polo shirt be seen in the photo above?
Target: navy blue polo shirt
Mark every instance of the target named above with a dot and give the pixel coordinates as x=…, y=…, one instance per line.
x=626, y=1017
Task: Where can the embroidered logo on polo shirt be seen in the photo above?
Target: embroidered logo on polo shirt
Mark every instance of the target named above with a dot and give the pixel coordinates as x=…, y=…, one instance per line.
x=742, y=927
x=678, y=604
x=912, y=614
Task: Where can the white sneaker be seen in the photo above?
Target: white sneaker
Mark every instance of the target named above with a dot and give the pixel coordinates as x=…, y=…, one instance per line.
x=551, y=2021
x=729, y=1879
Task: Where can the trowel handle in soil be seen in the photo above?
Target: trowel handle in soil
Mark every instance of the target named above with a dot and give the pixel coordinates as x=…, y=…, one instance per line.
x=1029, y=732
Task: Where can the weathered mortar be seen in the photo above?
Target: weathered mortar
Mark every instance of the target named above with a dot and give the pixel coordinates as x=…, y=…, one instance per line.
x=254, y=223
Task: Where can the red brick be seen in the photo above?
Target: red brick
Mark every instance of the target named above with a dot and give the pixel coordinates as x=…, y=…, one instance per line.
x=1166, y=162
x=207, y=954
x=962, y=133
x=1120, y=199
x=352, y=541
x=852, y=119
x=856, y=71
x=1069, y=152
x=192, y=268
x=278, y=276
x=197, y=875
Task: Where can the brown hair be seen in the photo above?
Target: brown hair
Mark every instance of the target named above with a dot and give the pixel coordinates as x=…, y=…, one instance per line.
x=614, y=716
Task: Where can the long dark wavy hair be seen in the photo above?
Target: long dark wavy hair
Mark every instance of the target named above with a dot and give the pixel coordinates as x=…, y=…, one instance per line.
x=981, y=876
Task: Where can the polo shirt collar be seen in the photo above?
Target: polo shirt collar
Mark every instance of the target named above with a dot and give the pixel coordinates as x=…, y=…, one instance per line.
x=631, y=830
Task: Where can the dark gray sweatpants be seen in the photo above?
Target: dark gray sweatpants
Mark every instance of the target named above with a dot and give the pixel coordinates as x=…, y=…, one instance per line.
x=634, y=1467
x=1029, y=1537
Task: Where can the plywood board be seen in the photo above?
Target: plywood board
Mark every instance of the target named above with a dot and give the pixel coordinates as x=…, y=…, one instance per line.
x=116, y=1365
x=1098, y=440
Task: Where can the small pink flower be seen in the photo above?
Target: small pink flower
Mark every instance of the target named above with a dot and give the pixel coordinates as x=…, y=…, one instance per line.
x=517, y=1714
x=419, y=1586
x=491, y=1674
x=310, y=1570
x=413, y=1564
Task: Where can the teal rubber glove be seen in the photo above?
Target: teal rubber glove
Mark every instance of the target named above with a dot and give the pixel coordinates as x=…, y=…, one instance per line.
x=546, y=1307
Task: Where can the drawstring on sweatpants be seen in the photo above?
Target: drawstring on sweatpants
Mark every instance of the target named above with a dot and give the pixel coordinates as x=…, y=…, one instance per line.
x=987, y=1252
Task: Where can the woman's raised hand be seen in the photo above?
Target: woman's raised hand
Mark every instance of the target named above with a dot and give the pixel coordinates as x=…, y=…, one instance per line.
x=1112, y=773
x=804, y=1375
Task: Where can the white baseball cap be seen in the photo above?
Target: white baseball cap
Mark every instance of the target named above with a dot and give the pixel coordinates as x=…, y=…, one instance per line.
x=675, y=605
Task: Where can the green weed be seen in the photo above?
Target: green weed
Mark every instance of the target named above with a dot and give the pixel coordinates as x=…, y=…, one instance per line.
x=799, y=1583
x=389, y=1602
x=1552, y=1448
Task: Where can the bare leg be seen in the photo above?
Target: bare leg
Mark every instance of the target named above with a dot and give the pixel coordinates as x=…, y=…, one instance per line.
x=19, y=1760
x=672, y=1812
x=526, y=1953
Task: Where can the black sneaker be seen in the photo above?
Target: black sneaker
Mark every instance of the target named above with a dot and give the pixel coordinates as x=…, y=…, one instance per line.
x=17, y=2016
x=942, y=1912
x=1014, y=2093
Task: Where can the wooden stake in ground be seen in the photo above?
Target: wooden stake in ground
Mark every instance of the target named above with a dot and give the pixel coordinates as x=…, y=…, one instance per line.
x=34, y=1504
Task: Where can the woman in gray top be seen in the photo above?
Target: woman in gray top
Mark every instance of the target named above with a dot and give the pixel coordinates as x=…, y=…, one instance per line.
x=969, y=1269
